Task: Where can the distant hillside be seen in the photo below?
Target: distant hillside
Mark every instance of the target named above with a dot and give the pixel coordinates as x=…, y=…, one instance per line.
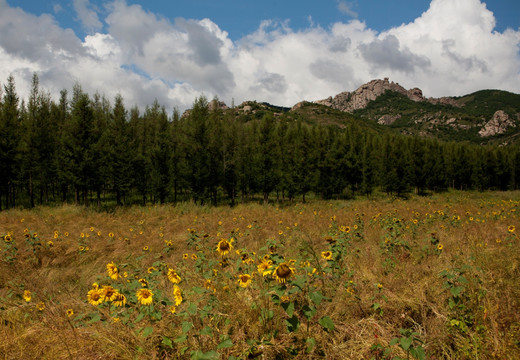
x=486, y=116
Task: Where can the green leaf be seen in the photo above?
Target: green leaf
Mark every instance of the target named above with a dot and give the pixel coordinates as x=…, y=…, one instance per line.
x=147, y=331
x=327, y=323
x=186, y=326
x=206, y=331
x=311, y=343
x=456, y=290
x=309, y=311
x=405, y=343
x=394, y=341
x=316, y=297
x=180, y=339
x=292, y=323
x=139, y=317
x=289, y=308
x=167, y=341
x=192, y=308
x=225, y=344
x=418, y=353
x=95, y=318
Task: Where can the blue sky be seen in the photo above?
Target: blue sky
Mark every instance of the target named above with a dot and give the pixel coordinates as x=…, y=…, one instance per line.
x=280, y=51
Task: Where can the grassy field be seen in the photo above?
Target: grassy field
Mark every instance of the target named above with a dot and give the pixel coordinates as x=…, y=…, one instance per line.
x=427, y=278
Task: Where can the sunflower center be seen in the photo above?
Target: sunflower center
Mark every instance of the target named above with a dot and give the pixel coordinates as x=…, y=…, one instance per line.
x=283, y=271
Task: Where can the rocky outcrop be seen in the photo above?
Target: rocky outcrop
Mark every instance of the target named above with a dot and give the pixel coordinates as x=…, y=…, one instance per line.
x=359, y=99
x=217, y=105
x=388, y=119
x=498, y=124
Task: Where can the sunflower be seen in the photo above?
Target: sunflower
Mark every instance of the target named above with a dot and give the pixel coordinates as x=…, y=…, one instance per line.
x=111, y=234
x=283, y=272
x=263, y=267
x=511, y=228
x=173, y=276
x=177, y=295
x=27, y=295
x=119, y=299
x=70, y=312
x=224, y=246
x=151, y=269
x=40, y=306
x=145, y=248
x=173, y=309
x=112, y=271
x=108, y=293
x=194, y=256
x=327, y=255
x=244, y=280
x=185, y=256
x=440, y=247
x=144, y=282
x=95, y=297
x=144, y=296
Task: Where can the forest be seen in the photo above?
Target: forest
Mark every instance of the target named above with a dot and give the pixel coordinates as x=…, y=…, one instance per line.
x=85, y=149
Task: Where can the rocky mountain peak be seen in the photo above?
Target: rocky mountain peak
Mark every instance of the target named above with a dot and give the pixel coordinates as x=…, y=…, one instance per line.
x=359, y=99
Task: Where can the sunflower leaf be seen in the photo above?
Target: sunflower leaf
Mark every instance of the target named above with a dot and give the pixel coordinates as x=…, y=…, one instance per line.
x=327, y=323
x=167, y=341
x=186, y=326
x=147, y=331
x=225, y=344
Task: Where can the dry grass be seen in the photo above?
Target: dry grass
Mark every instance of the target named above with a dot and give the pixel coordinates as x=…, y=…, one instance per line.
x=220, y=319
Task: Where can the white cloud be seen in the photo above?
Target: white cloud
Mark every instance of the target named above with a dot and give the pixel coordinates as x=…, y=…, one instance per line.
x=345, y=7
x=87, y=15
x=451, y=49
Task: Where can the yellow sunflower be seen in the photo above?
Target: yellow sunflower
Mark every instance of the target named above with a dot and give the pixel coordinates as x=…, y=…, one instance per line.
x=70, y=312
x=185, y=256
x=27, y=295
x=144, y=296
x=173, y=276
x=244, y=280
x=327, y=255
x=264, y=266
x=224, y=246
x=112, y=271
x=108, y=293
x=283, y=272
x=95, y=297
x=40, y=306
x=511, y=228
x=151, y=269
x=177, y=296
x=440, y=247
x=144, y=282
x=119, y=300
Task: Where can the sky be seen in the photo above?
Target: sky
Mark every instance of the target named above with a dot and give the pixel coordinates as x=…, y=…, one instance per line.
x=277, y=51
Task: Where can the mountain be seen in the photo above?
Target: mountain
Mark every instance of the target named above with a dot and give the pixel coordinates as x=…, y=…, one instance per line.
x=486, y=116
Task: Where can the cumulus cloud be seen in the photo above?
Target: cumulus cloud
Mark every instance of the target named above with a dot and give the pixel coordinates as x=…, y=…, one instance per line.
x=87, y=15
x=451, y=49
x=386, y=53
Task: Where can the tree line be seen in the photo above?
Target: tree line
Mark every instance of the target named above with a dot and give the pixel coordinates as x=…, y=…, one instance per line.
x=85, y=150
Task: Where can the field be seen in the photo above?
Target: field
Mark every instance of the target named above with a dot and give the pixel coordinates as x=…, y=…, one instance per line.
x=426, y=278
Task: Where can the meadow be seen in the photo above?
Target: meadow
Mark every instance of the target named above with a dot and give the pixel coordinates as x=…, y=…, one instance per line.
x=433, y=277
